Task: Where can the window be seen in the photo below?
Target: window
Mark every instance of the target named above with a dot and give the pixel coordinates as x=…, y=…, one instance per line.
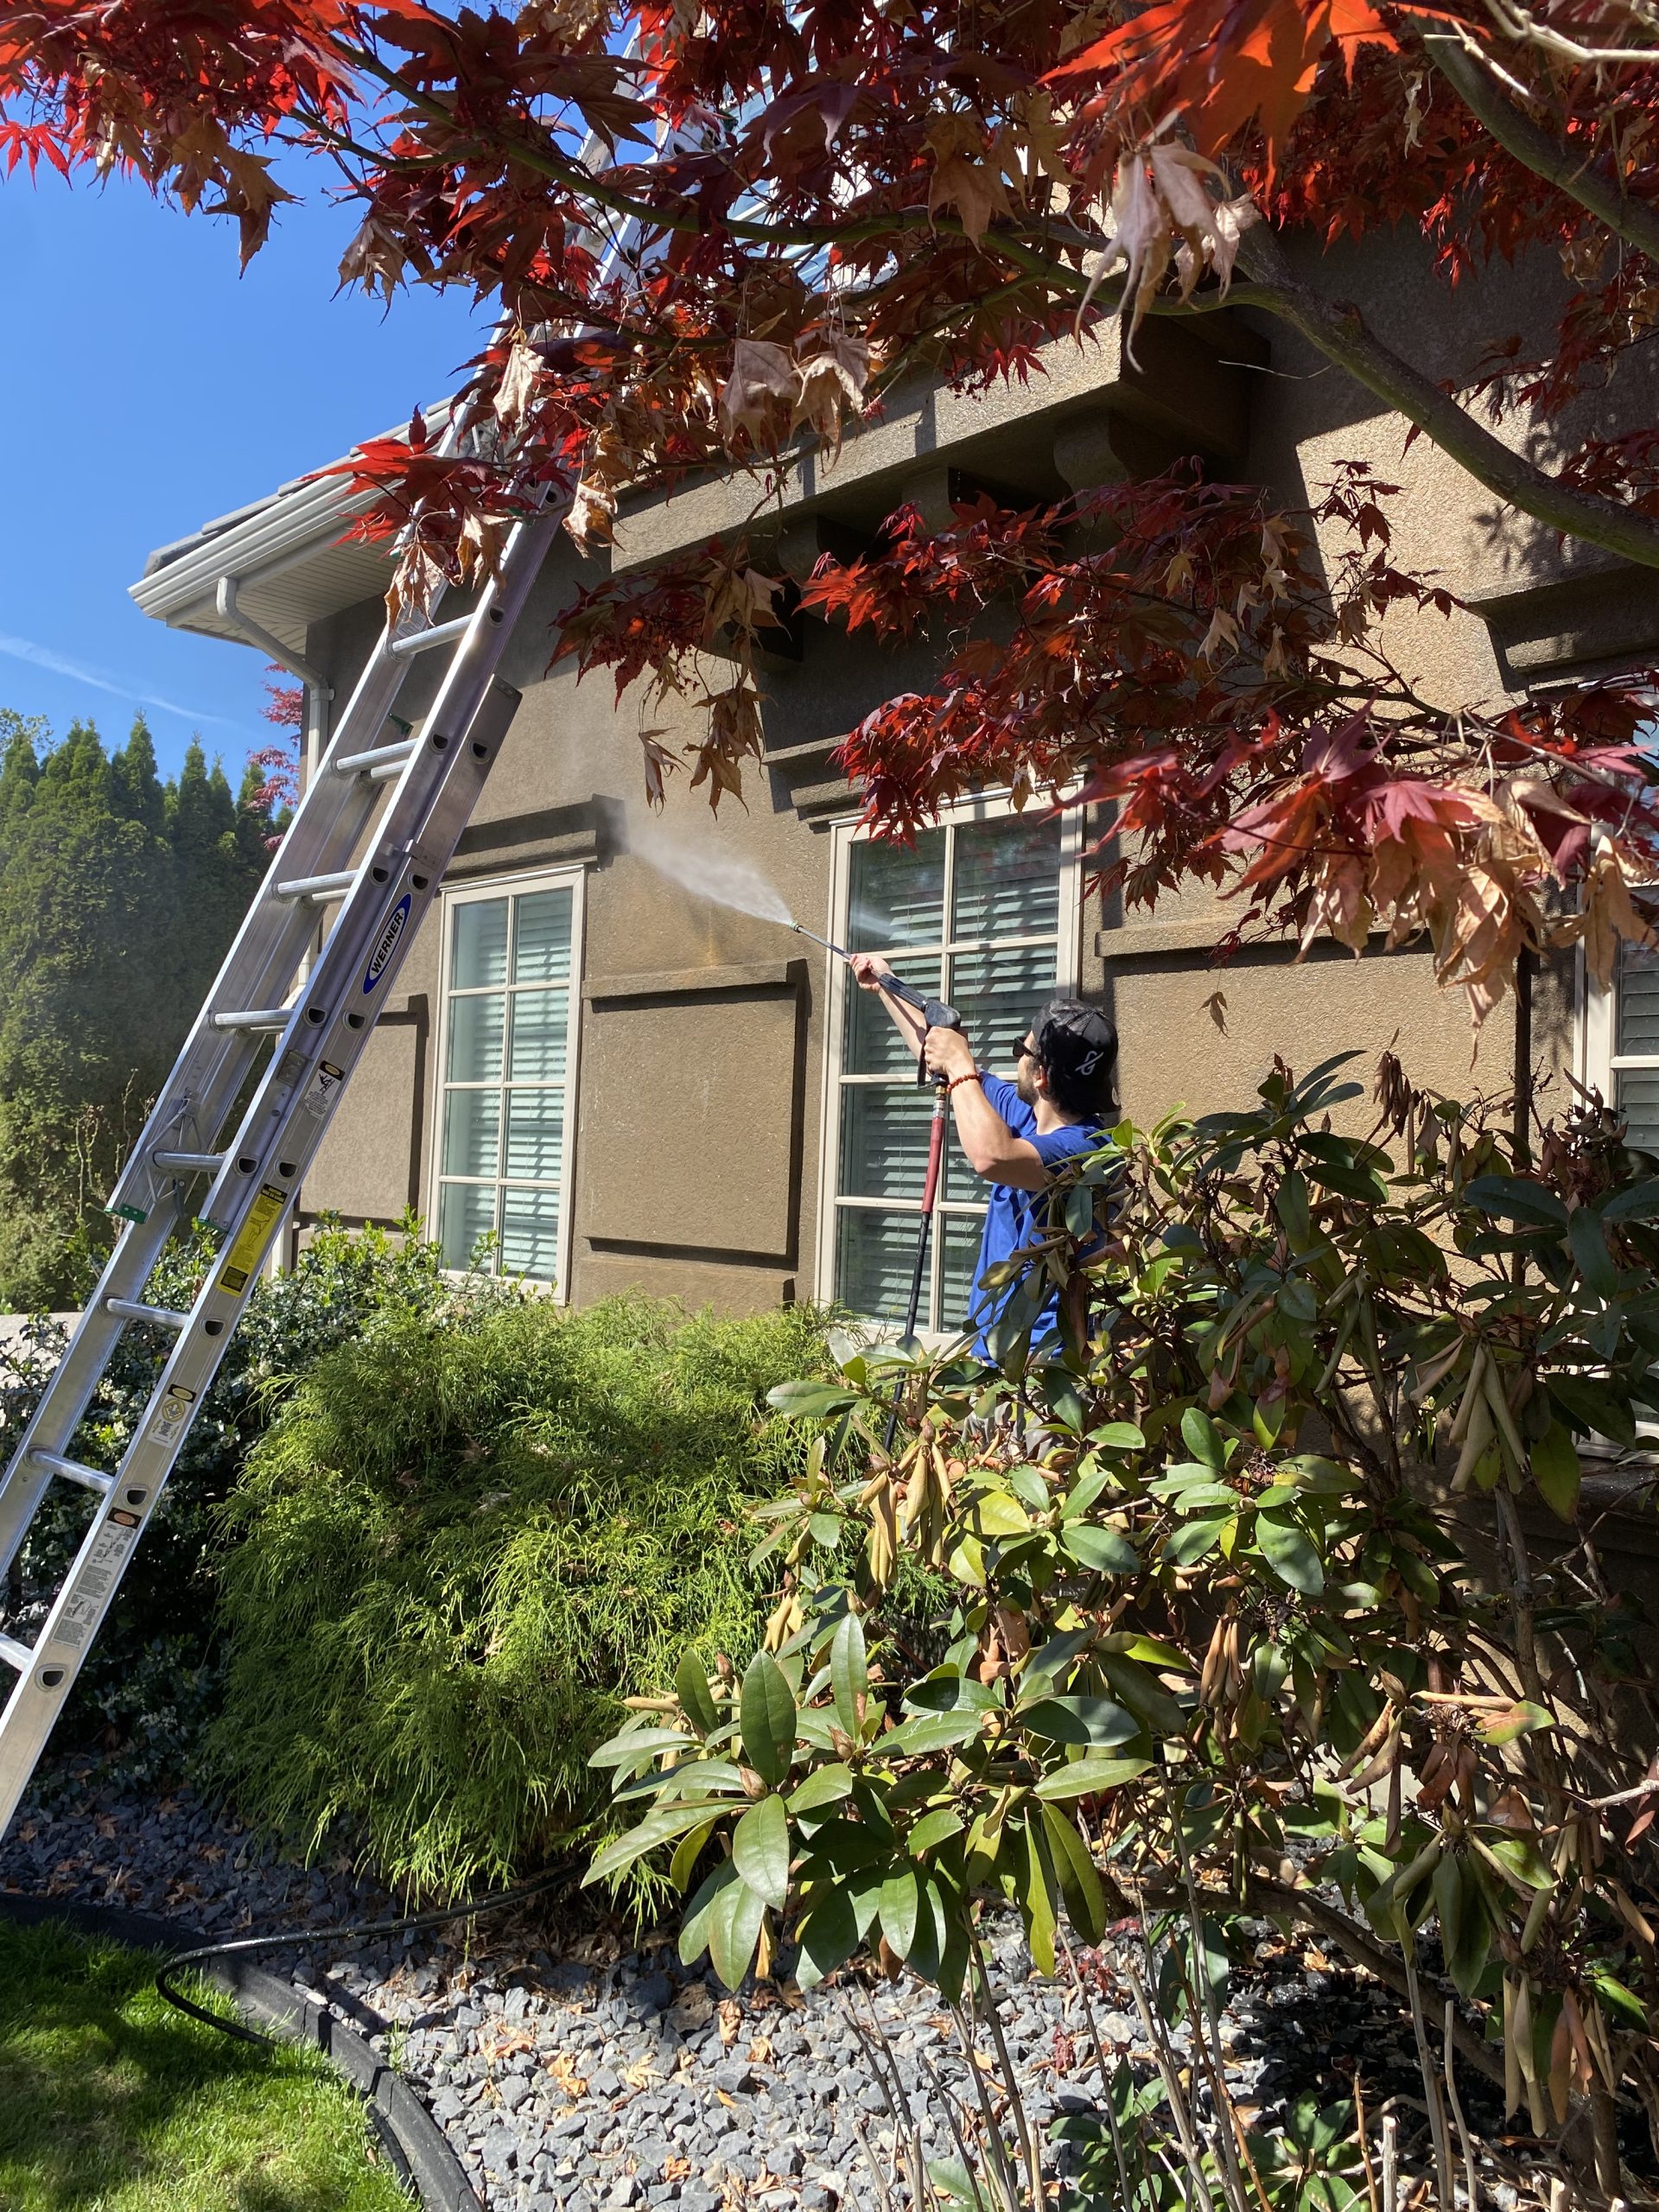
x=982, y=913
x=512, y=966
x=1622, y=1044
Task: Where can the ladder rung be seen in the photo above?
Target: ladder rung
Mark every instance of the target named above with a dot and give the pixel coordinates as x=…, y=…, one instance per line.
x=317, y=887
x=378, y=761
x=130, y=1309
x=419, y=641
x=256, y=1017
x=202, y=1163
x=72, y=1471
x=20, y=1655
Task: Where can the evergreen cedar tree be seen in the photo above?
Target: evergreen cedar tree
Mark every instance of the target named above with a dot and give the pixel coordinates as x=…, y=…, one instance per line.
x=118, y=896
x=856, y=190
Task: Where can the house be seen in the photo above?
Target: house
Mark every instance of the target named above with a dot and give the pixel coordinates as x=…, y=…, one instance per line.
x=628, y=1083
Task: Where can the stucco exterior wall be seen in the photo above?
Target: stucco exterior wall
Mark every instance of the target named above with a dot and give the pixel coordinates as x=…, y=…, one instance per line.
x=700, y=1077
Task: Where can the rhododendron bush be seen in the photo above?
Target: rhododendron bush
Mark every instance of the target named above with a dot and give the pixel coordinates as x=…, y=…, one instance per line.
x=715, y=232
x=1264, y=1603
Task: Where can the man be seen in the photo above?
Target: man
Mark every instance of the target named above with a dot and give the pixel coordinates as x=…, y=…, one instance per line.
x=1014, y=1134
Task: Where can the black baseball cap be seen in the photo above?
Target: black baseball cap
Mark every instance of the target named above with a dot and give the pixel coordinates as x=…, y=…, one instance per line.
x=1076, y=1042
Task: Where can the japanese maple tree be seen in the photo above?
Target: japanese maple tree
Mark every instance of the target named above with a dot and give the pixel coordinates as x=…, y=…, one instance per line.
x=717, y=233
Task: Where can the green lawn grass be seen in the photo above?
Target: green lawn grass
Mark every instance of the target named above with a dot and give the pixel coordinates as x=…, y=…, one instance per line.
x=112, y=2101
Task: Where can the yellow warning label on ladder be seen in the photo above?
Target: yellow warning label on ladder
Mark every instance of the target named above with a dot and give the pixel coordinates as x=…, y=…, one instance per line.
x=244, y=1256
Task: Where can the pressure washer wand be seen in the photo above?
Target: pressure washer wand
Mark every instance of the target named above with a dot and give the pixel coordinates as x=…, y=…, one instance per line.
x=937, y=1015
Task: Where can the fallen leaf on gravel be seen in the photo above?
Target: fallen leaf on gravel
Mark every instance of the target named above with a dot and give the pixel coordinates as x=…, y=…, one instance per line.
x=640, y=2074
x=759, y=2052
x=675, y=2170
x=104, y=1824
x=731, y=2019
x=563, y=2067
x=501, y=2043
x=693, y=2008
x=602, y=1949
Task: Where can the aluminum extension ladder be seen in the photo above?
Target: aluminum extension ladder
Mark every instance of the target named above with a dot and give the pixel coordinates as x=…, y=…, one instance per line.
x=321, y=1028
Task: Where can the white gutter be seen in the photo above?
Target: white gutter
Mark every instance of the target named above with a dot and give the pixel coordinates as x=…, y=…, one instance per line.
x=257, y=634
x=286, y=529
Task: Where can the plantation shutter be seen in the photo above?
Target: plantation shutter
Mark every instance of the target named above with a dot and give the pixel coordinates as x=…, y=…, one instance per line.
x=970, y=914
x=503, y=1150
x=1635, y=1046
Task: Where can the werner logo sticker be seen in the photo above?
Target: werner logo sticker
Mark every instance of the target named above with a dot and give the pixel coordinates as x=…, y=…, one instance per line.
x=396, y=923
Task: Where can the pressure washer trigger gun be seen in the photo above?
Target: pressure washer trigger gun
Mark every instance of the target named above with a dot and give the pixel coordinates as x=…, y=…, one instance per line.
x=938, y=1016
x=935, y=1012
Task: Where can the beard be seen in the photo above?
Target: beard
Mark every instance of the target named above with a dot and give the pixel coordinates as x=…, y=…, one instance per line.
x=1025, y=1082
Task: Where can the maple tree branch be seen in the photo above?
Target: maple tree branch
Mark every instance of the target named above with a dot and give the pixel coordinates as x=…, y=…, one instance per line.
x=1338, y=331
x=1522, y=24
x=1592, y=185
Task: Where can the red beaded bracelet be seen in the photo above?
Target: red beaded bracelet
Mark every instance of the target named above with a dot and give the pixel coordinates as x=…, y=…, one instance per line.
x=976, y=1076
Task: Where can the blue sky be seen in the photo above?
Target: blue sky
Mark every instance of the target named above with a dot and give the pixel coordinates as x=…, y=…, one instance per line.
x=145, y=386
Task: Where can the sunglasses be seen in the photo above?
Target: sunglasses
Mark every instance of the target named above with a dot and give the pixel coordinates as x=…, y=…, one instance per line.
x=1024, y=1049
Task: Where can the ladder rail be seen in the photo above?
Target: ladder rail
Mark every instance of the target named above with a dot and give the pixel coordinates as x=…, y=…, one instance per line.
x=107, y=1546
x=334, y=812
x=397, y=875
x=434, y=787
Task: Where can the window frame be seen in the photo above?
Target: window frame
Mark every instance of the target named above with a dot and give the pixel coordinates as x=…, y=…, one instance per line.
x=1599, y=1058
x=475, y=891
x=846, y=832
x=1596, y=1004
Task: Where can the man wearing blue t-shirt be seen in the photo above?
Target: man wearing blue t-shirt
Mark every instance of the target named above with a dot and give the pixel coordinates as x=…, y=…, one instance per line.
x=1015, y=1134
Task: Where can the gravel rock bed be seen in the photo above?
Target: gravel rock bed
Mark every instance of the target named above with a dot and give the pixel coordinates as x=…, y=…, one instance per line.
x=571, y=2072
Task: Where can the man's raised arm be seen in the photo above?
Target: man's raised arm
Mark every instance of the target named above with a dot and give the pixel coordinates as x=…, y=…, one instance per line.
x=870, y=968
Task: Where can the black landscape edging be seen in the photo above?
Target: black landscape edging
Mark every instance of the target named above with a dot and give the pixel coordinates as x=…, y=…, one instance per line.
x=415, y=2142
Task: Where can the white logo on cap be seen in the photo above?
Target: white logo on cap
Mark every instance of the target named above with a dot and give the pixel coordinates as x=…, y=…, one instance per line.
x=1089, y=1063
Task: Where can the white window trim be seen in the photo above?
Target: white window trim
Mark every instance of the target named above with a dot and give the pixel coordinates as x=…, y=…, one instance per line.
x=1597, y=1016
x=991, y=806
x=471, y=893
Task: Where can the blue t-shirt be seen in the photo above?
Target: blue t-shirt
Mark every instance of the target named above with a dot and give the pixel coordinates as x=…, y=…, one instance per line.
x=1008, y=1226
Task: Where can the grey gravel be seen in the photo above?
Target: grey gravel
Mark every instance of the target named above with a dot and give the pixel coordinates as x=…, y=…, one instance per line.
x=612, y=2081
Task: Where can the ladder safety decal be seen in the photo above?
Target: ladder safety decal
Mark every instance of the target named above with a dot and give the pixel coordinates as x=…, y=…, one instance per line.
x=95, y=1580
x=171, y=1416
x=246, y=1252
x=319, y=1096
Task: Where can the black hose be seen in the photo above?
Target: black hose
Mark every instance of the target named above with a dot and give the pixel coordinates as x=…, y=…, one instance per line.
x=294, y=1937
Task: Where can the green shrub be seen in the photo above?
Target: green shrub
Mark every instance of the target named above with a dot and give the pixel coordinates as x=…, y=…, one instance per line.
x=151, y=1678
x=461, y=1543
